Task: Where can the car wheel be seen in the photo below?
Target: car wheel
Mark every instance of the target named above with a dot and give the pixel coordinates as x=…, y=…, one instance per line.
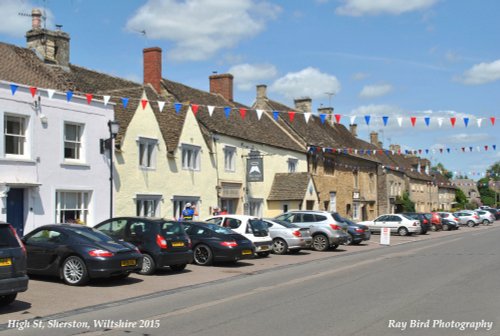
x=350, y=239
x=263, y=254
x=434, y=227
x=471, y=224
x=178, y=267
x=402, y=231
x=202, y=255
x=74, y=271
x=148, y=265
x=320, y=242
x=7, y=299
x=446, y=227
x=486, y=222
x=280, y=246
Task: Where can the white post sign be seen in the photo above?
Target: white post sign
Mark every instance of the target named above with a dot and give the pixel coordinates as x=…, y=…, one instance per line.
x=385, y=236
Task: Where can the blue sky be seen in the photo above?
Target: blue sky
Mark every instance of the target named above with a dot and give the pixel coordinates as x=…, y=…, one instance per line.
x=395, y=58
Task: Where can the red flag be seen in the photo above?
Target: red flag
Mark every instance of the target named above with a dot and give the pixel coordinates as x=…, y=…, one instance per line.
x=419, y=151
x=337, y=118
x=291, y=115
x=453, y=120
x=492, y=121
x=463, y=149
x=89, y=97
x=413, y=120
x=350, y=150
x=441, y=150
x=486, y=147
x=33, y=91
x=144, y=102
x=194, y=108
x=243, y=113
x=380, y=151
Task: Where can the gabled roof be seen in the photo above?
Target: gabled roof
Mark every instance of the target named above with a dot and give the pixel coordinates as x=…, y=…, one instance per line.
x=289, y=186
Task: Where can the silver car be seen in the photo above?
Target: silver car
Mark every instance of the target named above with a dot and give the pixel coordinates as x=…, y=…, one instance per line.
x=325, y=230
x=486, y=217
x=288, y=237
x=469, y=218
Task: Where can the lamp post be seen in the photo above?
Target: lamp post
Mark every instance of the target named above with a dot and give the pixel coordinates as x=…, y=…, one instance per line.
x=114, y=127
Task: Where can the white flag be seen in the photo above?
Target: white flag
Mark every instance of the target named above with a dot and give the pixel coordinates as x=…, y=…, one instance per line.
x=479, y=121
x=51, y=92
x=440, y=122
x=106, y=100
x=161, y=104
x=259, y=113
x=307, y=115
x=400, y=121
x=210, y=110
x=353, y=119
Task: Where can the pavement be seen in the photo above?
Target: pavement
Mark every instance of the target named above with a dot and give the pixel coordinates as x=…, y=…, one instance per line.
x=49, y=296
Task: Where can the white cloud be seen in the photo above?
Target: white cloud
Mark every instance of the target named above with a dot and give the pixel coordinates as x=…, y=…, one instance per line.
x=482, y=73
x=246, y=76
x=374, y=7
x=468, y=138
x=200, y=28
x=360, y=76
x=373, y=91
x=309, y=82
x=17, y=25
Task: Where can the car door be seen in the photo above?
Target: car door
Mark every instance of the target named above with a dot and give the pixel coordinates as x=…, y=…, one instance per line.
x=394, y=222
x=114, y=227
x=379, y=223
x=136, y=232
x=41, y=248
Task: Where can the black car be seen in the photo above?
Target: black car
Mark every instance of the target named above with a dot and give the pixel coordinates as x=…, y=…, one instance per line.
x=212, y=242
x=13, y=278
x=356, y=232
x=77, y=253
x=449, y=225
x=163, y=243
x=425, y=223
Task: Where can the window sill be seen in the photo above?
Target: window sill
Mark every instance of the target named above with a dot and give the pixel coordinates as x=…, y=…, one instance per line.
x=75, y=164
x=147, y=168
x=17, y=159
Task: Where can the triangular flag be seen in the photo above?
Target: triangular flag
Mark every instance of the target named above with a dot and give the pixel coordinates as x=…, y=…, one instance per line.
x=33, y=91
x=479, y=121
x=276, y=115
x=13, y=88
x=494, y=147
x=427, y=120
x=322, y=116
x=470, y=149
x=210, y=110
x=353, y=119
x=291, y=115
x=440, y=122
x=106, y=100
x=161, y=104
x=466, y=121
x=367, y=119
x=227, y=111
x=448, y=150
x=124, y=102
x=413, y=120
x=69, y=95
x=243, y=113
x=50, y=93
x=453, y=120
x=486, y=147
x=400, y=121
x=492, y=119
x=385, y=119
x=259, y=113
x=194, y=108
x=337, y=118
x=307, y=115
x=89, y=97
x=144, y=102
x=178, y=107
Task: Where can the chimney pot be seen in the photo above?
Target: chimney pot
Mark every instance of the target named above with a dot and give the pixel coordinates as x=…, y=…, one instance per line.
x=354, y=129
x=261, y=91
x=374, y=138
x=152, y=67
x=303, y=104
x=222, y=84
x=36, y=18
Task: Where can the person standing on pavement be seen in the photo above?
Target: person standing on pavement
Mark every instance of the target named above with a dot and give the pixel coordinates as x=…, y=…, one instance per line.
x=187, y=213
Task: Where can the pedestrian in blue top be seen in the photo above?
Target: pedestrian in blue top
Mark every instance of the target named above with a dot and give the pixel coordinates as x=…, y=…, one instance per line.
x=187, y=213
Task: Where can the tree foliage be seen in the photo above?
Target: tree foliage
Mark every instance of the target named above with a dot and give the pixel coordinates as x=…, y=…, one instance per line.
x=460, y=198
x=406, y=203
x=487, y=185
x=445, y=172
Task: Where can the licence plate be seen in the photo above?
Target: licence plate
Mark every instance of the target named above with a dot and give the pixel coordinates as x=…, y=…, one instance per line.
x=178, y=244
x=131, y=262
x=246, y=252
x=5, y=262
x=264, y=247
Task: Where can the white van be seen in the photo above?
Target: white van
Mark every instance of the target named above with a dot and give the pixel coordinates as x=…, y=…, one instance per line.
x=251, y=227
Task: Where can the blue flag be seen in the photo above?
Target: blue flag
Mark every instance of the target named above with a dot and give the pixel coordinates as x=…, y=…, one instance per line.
x=367, y=119
x=427, y=120
x=13, y=88
x=466, y=121
x=227, y=111
x=125, y=102
x=69, y=95
x=276, y=115
x=385, y=119
x=322, y=117
x=178, y=107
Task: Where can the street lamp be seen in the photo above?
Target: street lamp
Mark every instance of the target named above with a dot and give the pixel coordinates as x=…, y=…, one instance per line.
x=114, y=127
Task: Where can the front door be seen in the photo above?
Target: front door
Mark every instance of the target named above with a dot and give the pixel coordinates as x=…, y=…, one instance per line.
x=15, y=209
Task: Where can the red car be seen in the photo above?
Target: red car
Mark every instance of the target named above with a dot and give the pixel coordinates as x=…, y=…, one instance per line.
x=435, y=219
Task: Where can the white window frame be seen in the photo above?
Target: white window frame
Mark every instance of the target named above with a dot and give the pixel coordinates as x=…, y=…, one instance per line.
x=148, y=205
x=292, y=165
x=190, y=156
x=147, y=148
x=21, y=137
x=355, y=175
x=179, y=202
x=355, y=210
x=79, y=148
x=229, y=159
x=82, y=205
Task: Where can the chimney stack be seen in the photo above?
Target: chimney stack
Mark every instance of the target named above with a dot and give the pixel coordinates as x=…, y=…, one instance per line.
x=354, y=129
x=395, y=148
x=222, y=84
x=374, y=138
x=36, y=18
x=329, y=113
x=303, y=105
x=152, y=67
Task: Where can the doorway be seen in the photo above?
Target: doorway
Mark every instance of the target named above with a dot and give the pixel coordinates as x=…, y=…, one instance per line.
x=15, y=209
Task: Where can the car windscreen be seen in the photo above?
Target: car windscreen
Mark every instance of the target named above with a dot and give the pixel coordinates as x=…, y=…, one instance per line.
x=258, y=225
x=92, y=235
x=169, y=229
x=7, y=238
